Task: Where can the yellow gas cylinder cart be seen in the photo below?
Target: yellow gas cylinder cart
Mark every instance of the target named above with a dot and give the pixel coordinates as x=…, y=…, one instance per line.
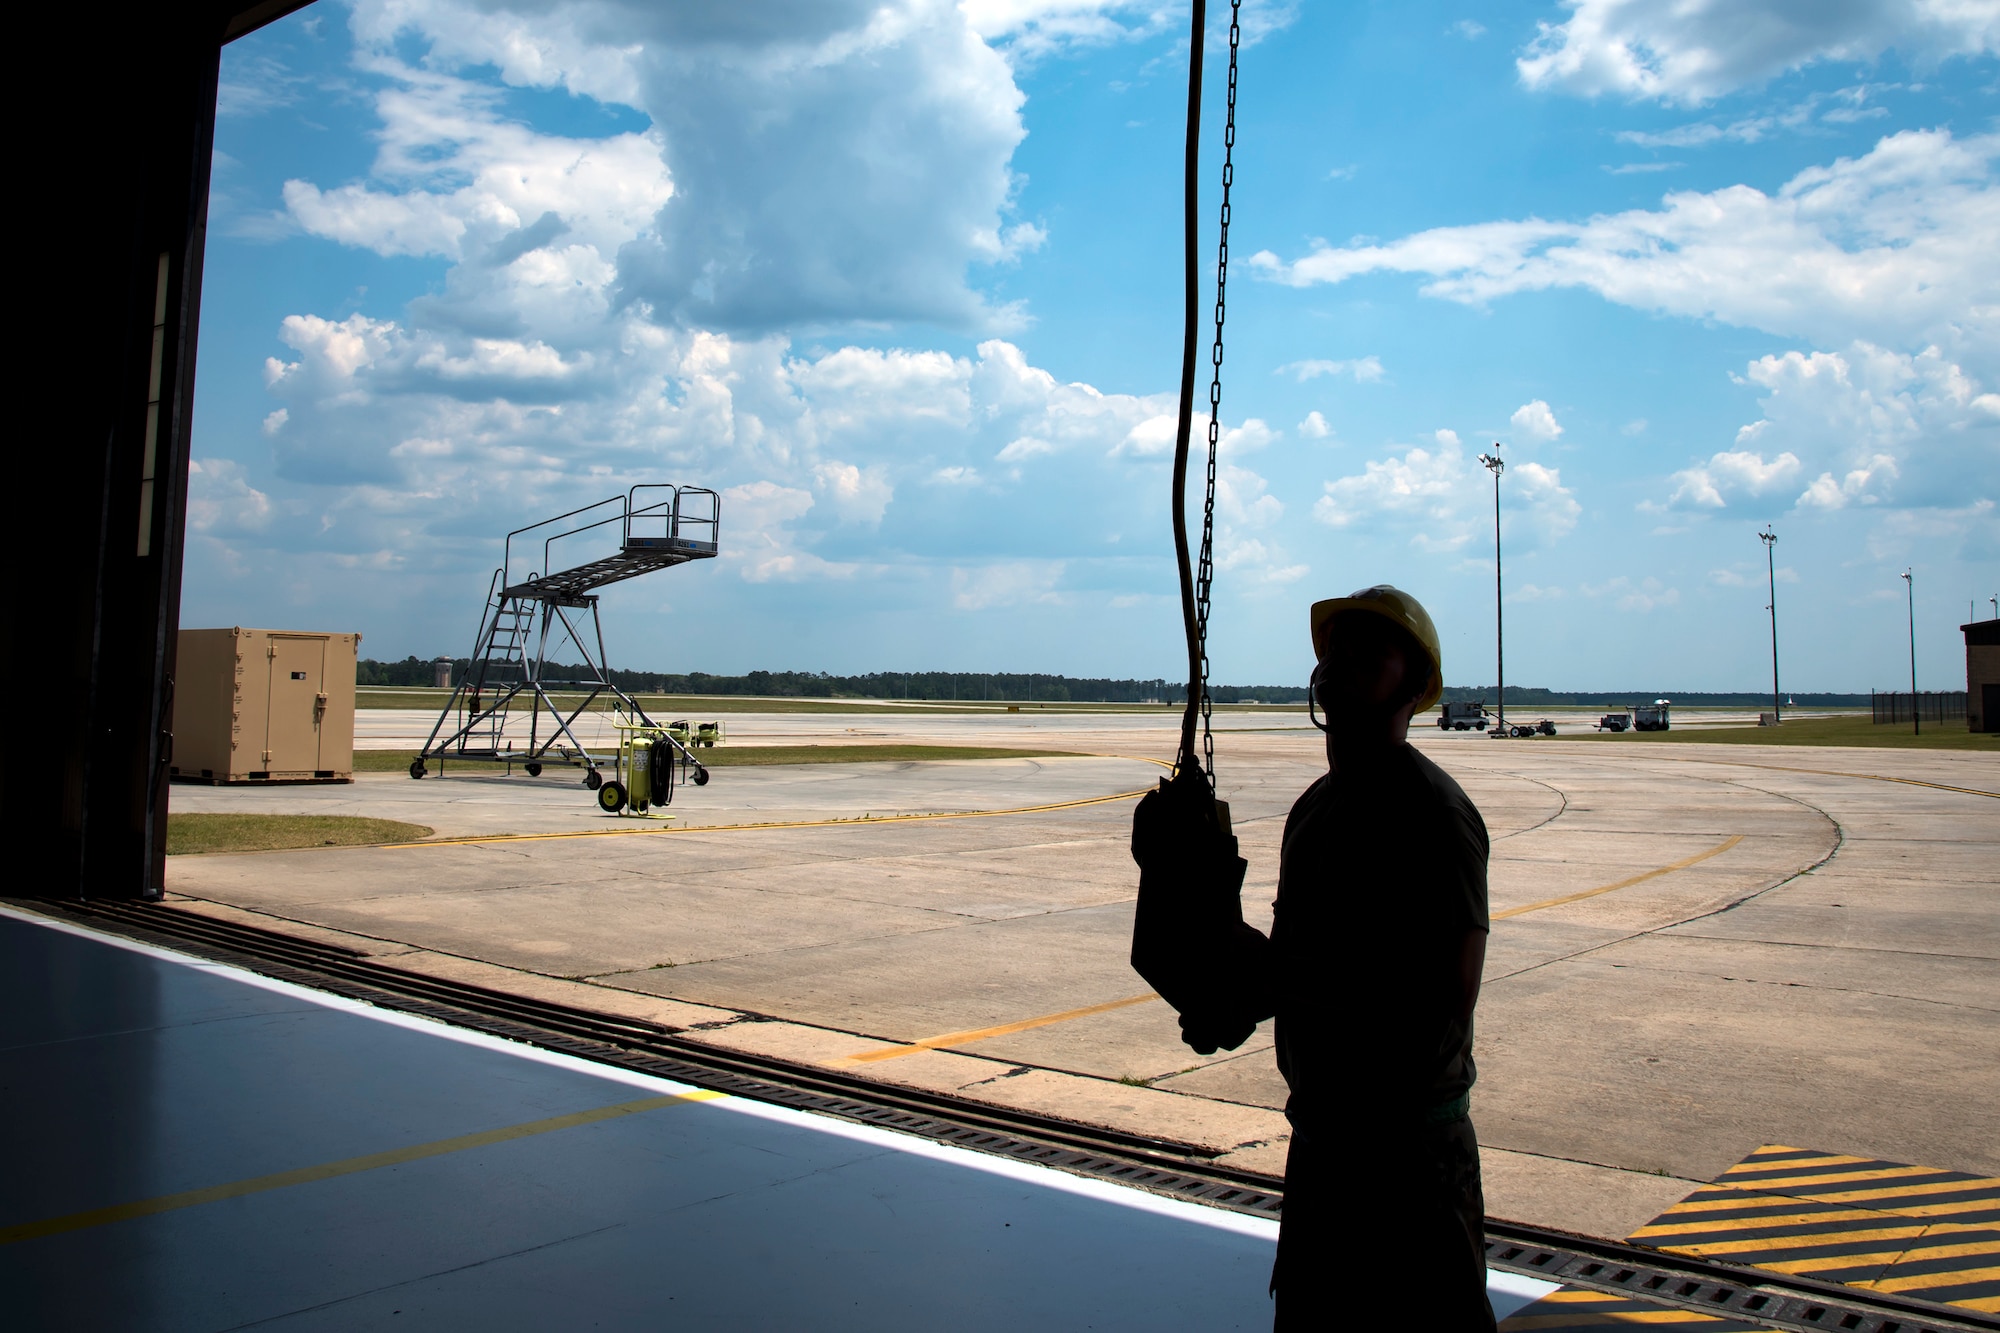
x=652, y=760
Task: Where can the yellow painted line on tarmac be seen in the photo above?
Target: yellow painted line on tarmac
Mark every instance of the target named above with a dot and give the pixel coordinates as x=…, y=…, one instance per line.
x=981, y=1034
x=773, y=824
x=306, y=1175
x=1696, y=859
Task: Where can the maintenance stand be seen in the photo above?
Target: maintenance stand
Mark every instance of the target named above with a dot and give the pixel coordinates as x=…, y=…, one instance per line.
x=510, y=655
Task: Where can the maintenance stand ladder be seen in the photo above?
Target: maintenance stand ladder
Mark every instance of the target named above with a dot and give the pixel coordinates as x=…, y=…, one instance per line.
x=510, y=656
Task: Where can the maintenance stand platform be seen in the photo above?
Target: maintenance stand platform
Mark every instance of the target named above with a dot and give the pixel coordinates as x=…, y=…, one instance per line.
x=510, y=657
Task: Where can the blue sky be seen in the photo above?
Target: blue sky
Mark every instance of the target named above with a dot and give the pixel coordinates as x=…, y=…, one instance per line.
x=901, y=280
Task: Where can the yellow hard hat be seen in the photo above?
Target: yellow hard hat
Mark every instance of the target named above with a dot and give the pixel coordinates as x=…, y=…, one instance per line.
x=1392, y=604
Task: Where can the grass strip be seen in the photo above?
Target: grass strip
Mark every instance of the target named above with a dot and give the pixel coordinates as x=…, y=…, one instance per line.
x=194, y=834
x=1855, y=730
x=739, y=756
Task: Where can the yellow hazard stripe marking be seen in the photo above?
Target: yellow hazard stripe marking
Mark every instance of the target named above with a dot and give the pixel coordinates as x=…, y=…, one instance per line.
x=981, y=1034
x=1795, y=1243
x=774, y=824
x=1711, y=1227
x=1741, y=1196
x=1789, y=1183
x=306, y=1175
x=1771, y=1202
x=1799, y=1157
x=1991, y=1187
x=1920, y=1282
x=1605, y=1318
x=1696, y=859
x=1887, y=1258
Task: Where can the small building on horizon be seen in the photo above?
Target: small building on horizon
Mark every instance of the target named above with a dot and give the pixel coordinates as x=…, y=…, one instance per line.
x=1982, y=675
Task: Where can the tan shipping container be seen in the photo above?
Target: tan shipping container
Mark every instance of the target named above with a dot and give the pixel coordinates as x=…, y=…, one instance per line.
x=264, y=705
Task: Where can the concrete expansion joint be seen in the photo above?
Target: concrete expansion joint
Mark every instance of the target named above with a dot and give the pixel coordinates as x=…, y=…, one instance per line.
x=1815, y=985
x=1562, y=799
x=1844, y=948
x=1660, y=1174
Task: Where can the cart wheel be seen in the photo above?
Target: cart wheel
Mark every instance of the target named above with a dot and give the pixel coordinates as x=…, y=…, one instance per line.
x=593, y=779
x=611, y=797
x=701, y=777
x=417, y=768
x=534, y=769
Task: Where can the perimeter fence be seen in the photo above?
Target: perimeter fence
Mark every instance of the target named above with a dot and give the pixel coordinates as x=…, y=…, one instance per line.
x=1939, y=706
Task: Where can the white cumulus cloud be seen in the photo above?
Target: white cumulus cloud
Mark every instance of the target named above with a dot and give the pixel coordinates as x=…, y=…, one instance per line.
x=1441, y=498
x=1697, y=50
x=1733, y=474
x=1535, y=421
x=1893, y=246
x=1366, y=370
x=1865, y=426
x=787, y=142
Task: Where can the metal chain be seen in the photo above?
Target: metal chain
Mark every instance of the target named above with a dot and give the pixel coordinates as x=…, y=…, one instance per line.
x=1205, y=570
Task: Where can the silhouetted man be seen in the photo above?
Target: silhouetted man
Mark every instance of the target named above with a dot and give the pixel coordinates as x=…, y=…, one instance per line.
x=1372, y=969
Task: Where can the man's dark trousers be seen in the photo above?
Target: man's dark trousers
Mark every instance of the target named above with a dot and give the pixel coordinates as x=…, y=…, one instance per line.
x=1373, y=1201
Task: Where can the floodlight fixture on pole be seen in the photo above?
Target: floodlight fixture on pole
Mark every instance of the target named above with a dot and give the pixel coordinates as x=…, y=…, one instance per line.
x=1916, y=717
x=1496, y=467
x=1770, y=540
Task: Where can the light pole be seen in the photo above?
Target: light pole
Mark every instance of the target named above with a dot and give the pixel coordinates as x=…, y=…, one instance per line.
x=1916, y=717
x=1770, y=540
x=1496, y=467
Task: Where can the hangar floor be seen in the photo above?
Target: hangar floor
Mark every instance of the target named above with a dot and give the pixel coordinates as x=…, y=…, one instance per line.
x=217, y=1150
x=1696, y=953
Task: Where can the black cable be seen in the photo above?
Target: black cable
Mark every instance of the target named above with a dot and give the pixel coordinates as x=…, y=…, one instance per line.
x=1191, y=230
x=1196, y=585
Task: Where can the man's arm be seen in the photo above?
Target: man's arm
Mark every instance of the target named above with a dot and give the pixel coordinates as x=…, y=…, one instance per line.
x=1471, y=968
x=1245, y=994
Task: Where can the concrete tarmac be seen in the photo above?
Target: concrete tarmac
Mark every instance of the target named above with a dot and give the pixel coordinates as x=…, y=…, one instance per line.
x=1695, y=952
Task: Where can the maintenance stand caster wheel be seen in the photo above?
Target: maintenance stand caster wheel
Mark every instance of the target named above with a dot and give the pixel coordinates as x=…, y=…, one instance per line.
x=701, y=777
x=593, y=779
x=417, y=768
x=611, y=797
x=534, y=769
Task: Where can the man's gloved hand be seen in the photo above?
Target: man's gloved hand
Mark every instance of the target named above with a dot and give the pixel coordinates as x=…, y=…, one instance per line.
x=1208, y=1033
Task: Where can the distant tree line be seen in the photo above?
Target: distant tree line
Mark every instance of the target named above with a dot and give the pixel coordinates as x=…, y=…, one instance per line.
x=929, y=686
x=1021, y=687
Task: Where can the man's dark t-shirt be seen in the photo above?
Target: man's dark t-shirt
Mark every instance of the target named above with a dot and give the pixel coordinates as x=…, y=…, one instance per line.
x=1378, y=884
